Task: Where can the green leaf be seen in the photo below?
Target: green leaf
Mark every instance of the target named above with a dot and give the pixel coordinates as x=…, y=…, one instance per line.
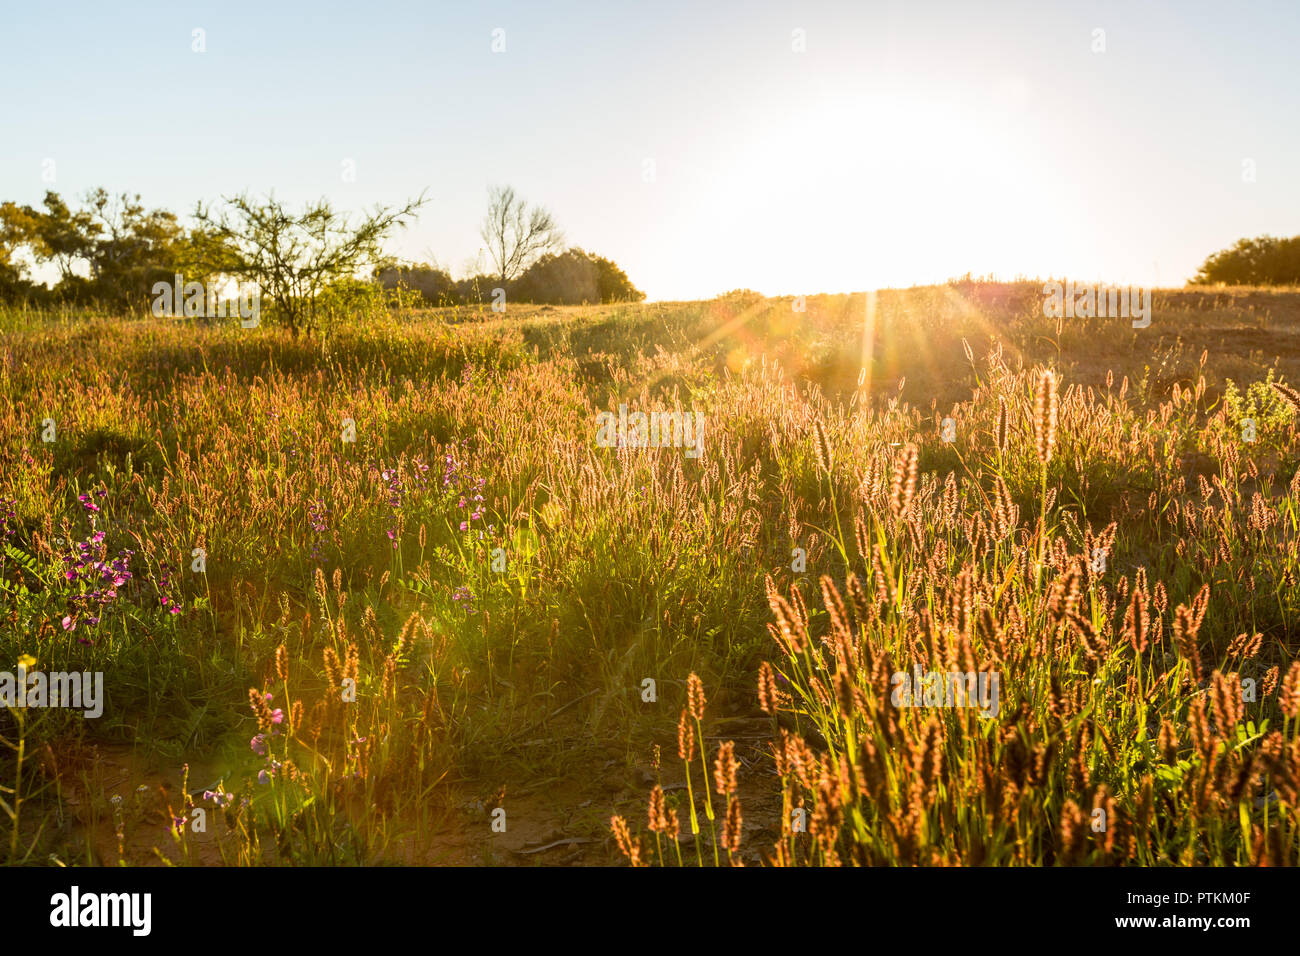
x=25, y=560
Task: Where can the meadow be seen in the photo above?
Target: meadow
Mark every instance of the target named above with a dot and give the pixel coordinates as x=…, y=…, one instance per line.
x=376, y=595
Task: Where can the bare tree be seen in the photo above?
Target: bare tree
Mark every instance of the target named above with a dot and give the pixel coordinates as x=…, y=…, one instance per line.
x=515, y=233
x=294, y=258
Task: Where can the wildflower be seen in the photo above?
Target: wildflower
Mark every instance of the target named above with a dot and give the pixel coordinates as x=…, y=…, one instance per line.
x=463, y=593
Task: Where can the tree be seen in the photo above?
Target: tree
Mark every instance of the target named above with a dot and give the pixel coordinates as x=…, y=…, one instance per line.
x=293, y=259
x=124, y=247
x=56, y=235
x=1262, y=261
x=132, y=249
x=13, y=271
x=516, y=234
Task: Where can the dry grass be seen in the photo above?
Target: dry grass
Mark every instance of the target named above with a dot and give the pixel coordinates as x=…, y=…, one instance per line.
x=1115, y=585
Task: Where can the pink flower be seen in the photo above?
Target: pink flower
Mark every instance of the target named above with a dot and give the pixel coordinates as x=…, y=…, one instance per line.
x=69, y=624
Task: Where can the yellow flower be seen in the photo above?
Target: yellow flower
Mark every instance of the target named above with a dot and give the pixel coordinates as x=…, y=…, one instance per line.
x=26, y=662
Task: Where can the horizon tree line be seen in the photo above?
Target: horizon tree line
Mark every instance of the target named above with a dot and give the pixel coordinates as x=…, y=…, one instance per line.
x=113, y=250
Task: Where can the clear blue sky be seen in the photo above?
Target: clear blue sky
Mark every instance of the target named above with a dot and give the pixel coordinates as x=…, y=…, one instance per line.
x=911, y=141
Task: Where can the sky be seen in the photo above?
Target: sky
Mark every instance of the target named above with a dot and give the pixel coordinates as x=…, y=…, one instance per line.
x=786, y=147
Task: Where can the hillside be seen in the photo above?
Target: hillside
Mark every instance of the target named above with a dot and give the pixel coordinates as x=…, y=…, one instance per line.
x=417, y=503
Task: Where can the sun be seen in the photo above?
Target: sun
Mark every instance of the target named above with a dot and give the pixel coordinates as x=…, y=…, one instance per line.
x=890, y=189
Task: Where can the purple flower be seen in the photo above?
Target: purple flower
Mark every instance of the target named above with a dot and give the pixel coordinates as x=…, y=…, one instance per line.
x=258, y=744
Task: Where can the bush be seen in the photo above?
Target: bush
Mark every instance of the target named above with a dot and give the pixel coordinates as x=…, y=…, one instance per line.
x=434, y=285
x=574, y=277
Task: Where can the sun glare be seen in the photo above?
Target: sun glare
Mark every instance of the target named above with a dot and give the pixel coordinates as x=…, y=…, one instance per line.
x=886, y=190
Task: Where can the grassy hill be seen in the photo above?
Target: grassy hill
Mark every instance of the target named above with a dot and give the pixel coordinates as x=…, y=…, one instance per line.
x=404, y=532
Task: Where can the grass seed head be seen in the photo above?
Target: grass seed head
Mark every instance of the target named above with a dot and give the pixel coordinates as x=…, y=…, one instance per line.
x=695, y=696
x=1045, y=416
